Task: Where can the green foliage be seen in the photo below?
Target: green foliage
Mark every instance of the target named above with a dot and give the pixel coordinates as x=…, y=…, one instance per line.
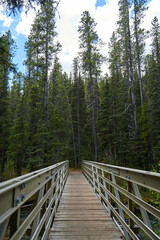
x=47, y=117
x=91, y=60
x=13, y=6
x=6, y=66
x=16, y=145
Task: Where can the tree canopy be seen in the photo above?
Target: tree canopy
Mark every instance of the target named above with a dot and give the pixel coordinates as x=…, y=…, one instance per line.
x=13, y=6
x=47, y=116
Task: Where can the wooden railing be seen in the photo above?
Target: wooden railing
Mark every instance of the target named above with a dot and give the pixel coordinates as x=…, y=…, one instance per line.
x=28, y=203
x=121, y=190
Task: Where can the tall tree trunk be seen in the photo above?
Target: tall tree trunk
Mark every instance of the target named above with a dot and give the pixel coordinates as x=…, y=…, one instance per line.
x=131, y=72
x=72, y=128
x=46, y=81
x=133, y=94
x=94, y=129
x=78, y=120
x=138, y=54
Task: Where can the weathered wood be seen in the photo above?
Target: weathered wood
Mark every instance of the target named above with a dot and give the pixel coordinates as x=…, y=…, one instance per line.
x=80, y=214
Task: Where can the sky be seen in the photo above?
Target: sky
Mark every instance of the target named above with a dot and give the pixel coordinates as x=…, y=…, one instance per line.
x=105, y=13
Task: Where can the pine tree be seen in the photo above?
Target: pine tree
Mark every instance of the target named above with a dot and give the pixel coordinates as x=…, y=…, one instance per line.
x=16, y=143
x=154, y=90
x=103, y=122
x=6, y=66
x=155, y=33
x=59, y=114
x=124, y=30
x=14, y=6
x=139, y=36
x=90, y=57
x=41, y=47
x=78, y=110
x=152, y=66
x=47, y=36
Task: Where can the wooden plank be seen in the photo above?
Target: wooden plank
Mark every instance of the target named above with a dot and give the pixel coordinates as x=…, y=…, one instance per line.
x=82, y=212
x=108, y=236
x=84, y=233
x=90, y=224
x=81, y=215
x=72, y=226
x=85, y=237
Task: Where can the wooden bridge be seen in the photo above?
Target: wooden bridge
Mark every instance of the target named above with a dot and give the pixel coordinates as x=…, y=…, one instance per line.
x=100, y=202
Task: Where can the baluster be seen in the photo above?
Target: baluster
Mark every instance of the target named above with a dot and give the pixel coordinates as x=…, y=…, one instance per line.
x=50, y=198
x=98, y=186
x=119, y=208
x=106, y=194
x=129, y=188
x=142, y=210
x=93, y=179
x=37, y=217
x=3, y=228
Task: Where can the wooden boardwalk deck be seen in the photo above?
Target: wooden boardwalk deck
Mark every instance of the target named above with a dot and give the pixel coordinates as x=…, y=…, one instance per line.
x=80, y=214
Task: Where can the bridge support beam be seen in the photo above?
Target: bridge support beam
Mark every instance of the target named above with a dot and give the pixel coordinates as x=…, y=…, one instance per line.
x=142, y=210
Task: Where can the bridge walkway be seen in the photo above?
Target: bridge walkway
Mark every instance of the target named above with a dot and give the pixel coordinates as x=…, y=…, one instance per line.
x=81, y=215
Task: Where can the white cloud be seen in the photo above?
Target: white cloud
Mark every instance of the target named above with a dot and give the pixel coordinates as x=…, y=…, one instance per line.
x=105, y=17
x=3, y=17
x=26, y=22
x=67, y=25
x=152, y=11
x=70, y=13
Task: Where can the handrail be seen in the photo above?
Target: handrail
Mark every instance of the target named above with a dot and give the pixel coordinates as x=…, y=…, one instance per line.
x=28, y=203
x=120, y=200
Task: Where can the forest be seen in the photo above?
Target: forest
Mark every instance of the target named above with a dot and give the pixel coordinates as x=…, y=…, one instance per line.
x=47, y=116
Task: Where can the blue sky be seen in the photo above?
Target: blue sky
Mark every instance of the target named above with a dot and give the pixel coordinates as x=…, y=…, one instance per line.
x=19, y=39
x=105, y=13
x=101, y=3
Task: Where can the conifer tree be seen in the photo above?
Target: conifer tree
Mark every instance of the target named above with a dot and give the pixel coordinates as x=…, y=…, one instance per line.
x=14, y=6
x=124, y=30
x=16, y=144
x=6, y=66
x=153, y=87
x=90, y=57
x=48, y=46
x=61, y=143
x=78, y=109
x=41, y=47
x=139, y=36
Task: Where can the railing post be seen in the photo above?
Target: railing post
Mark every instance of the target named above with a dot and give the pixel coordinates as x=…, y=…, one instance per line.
x=3, y=228
x=50, y=198
x=111, y=191
x=36, y=220
x=119, y=208
x=57, y=185
x=142, y=210
x=62, y=179
x=106, y=194
x=14, y=222
x=94, y=183
x=129, y=188
x=97, y=181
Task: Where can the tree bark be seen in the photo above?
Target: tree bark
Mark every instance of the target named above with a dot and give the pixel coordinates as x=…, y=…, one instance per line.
x=94, y=129
x=131, y=72
x=78, y=120
x=138, y=54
